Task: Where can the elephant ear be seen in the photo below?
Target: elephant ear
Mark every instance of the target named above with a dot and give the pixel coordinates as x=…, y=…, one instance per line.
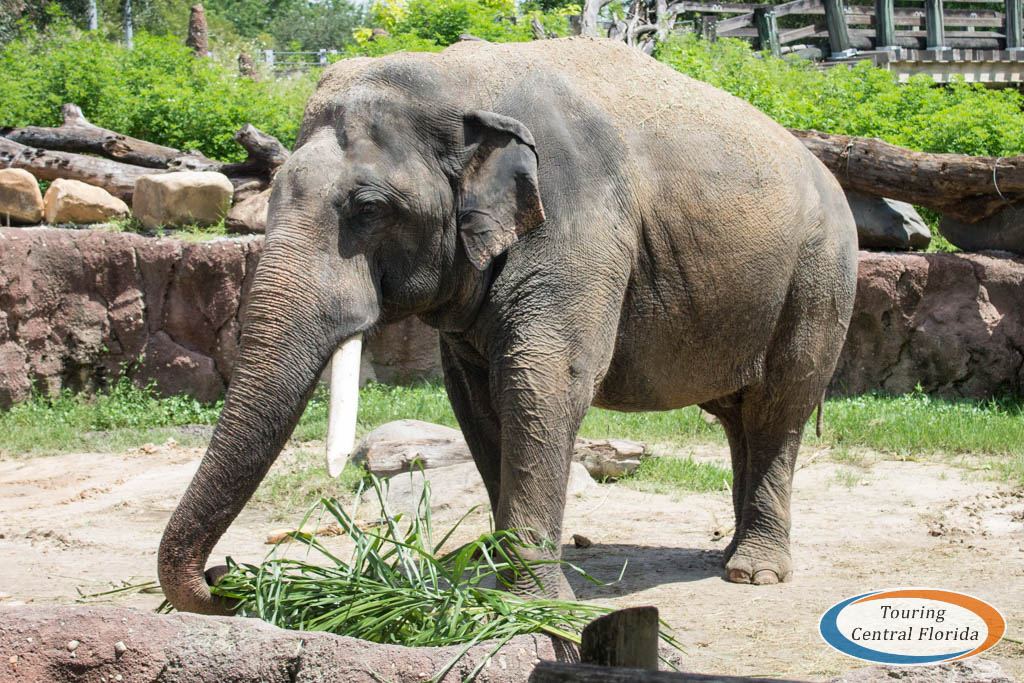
x=499, y=197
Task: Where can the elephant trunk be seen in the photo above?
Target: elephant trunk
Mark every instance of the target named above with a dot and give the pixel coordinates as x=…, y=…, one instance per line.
x=282, y=352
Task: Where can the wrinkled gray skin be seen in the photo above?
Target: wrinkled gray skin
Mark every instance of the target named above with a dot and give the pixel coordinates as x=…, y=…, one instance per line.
x=584, y=226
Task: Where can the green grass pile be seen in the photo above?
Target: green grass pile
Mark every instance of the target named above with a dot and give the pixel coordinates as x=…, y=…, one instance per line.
x=400, y=586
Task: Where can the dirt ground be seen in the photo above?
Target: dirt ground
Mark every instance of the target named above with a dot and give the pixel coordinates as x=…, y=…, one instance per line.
x=84, y=523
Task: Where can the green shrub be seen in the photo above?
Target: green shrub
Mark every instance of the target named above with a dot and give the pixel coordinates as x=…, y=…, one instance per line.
x=157, y=92
x=862, y=100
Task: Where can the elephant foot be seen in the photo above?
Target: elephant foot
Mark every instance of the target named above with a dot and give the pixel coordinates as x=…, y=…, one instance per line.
x=759, y=569
x=554, y=586
x=728, y=552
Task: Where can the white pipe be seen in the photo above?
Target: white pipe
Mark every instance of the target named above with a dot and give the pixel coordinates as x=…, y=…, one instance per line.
x=344, y=403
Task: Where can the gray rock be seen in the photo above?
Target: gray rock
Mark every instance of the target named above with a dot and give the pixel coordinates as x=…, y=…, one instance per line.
x=609, y=458
x=455, y=487
x=249, y=216
x=973, y=670
x=887, y=223
x=397, y=446
x=1001, y=231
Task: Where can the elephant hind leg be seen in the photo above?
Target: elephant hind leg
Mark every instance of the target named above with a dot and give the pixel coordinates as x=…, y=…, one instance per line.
x=729, y=412
x=765, y=423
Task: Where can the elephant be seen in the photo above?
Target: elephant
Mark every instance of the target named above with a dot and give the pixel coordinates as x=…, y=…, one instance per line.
x=584, y=226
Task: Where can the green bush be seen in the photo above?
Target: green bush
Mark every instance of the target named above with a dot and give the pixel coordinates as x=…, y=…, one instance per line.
x=157, y=92
x=863, y=100
x=429, y=25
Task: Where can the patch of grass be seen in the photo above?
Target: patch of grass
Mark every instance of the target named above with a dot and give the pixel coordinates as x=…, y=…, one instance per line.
x=846, y=478
x=682, y=426
x=400, y=587
x=193, y=232
x=917, y=423
x=907, y=427
x=125, y=416
x=303, y=480
x=673, y=475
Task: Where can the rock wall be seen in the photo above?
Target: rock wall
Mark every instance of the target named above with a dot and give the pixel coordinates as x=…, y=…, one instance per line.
x=77, y=306
x=951, y=323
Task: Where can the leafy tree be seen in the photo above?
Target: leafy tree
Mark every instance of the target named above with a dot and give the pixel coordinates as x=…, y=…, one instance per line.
x=315, y=25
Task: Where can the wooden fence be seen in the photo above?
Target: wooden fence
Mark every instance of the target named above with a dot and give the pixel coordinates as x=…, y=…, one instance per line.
x=882, y=27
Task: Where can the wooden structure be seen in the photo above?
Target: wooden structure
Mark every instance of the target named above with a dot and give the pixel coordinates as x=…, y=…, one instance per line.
x=936, y=38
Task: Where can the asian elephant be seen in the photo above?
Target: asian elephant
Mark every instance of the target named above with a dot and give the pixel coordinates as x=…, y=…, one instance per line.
x=584, y=226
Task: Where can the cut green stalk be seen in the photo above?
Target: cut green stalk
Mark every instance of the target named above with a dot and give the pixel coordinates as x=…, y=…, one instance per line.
x=400, y=588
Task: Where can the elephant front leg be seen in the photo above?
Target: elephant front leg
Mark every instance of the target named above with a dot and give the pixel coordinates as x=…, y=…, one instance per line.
x=541, y=408
x=468, y=387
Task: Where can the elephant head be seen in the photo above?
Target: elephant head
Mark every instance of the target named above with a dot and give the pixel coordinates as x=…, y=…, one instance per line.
x=393, y=204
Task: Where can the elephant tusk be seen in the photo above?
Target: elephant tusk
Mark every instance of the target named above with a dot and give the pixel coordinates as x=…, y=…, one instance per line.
x=344, y=403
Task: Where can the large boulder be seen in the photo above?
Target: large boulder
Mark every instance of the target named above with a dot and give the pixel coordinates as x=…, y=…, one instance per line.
x=952, y=324
x=72, y=201
x=453, y=488
x=20, y=198
x=887, y=223
x=1002, y=231
x=249, y=216
x=102, y=643
x=182, y=198
x=404, y=445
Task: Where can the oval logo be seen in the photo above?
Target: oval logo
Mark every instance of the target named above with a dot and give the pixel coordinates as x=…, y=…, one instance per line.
x=909, y=626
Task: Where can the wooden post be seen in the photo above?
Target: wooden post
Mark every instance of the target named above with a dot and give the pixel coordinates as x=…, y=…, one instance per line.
x=268, y=57
x=626, y=638
x=885, y=25
x=709, y=27
x=934, y=25
x=767, y=30
x=838, y=34
x=1013, y=25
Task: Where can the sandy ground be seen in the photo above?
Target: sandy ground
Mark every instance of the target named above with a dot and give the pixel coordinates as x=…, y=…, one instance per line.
x=83, y=523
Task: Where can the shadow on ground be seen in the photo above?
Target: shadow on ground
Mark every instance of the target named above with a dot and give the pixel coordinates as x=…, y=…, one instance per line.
x=645, y=567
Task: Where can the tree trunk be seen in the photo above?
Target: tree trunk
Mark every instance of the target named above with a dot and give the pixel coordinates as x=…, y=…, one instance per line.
x=91, y=15
x=965, y=187
x=129, y=27
x=588, y=20
x=197, y=33
x=116, y=178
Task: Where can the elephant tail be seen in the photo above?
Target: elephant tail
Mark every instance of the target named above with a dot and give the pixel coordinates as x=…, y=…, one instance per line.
x=819, y=423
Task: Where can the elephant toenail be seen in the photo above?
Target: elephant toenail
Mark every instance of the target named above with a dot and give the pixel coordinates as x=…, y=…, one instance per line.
x=737, y=576
x=765, y=577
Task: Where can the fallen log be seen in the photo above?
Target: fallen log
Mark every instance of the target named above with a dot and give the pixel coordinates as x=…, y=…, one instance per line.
x=115, y=177
x=77, y=136
x=965, y=187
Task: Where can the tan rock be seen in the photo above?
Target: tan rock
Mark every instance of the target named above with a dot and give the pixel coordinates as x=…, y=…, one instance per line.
x=250, y=215
x=72, y=201
x=20, y=198
x=181, y=198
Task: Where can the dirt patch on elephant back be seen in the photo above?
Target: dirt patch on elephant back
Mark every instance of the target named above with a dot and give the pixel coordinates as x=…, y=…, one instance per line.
x=88, y=522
